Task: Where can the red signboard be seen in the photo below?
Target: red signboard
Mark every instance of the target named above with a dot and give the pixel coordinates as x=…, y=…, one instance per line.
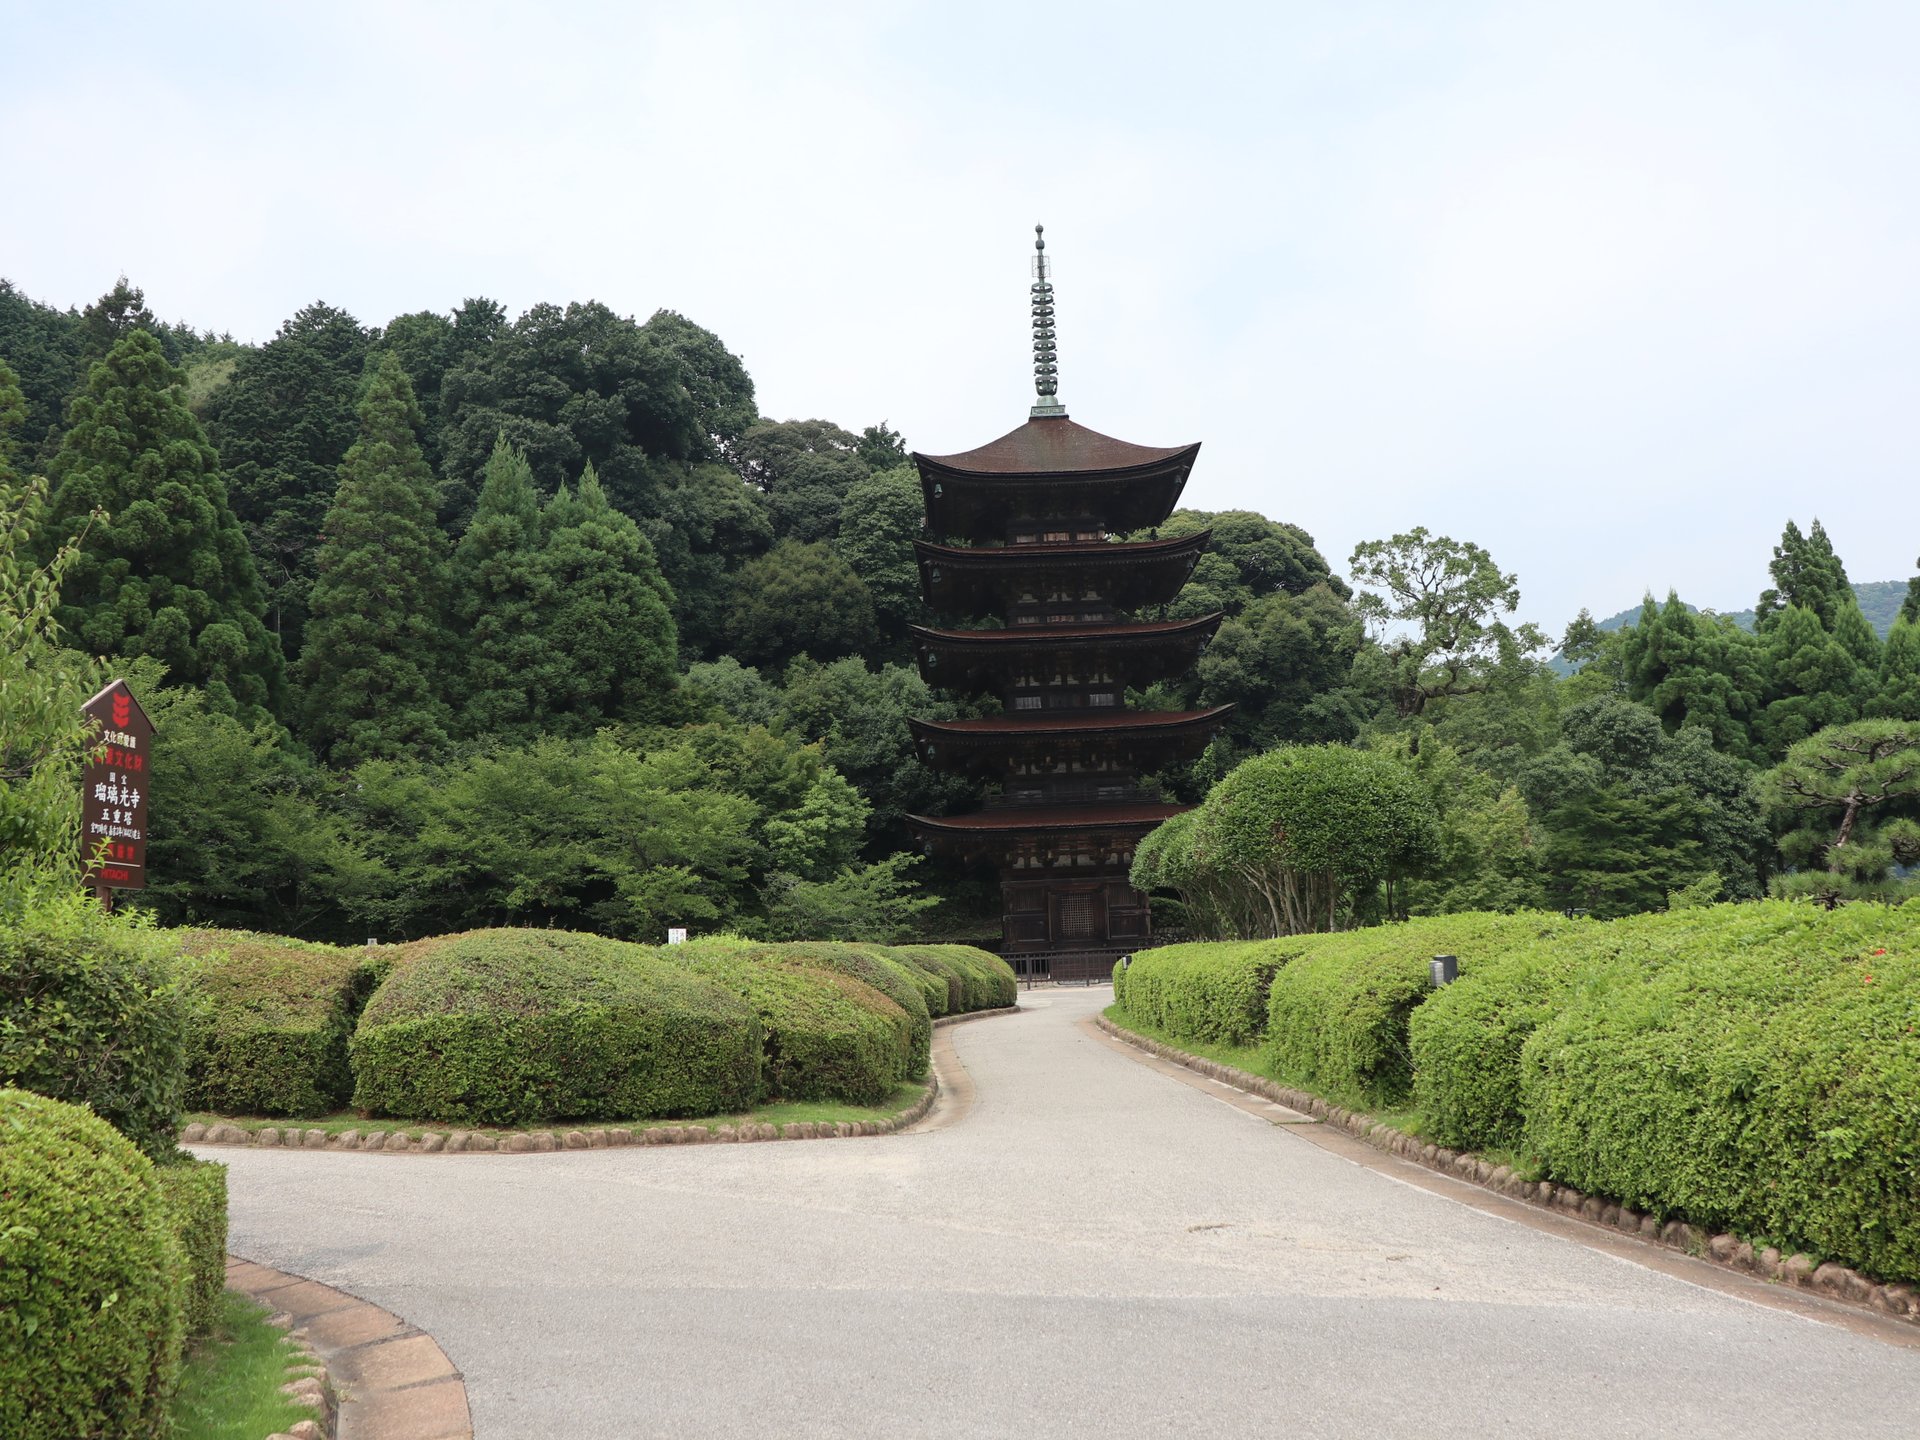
x=114, y=790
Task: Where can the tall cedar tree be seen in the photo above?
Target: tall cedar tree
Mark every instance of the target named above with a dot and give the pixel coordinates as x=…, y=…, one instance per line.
x=169, y=573
x=283, y=424
x=609, y=615
x=500, y=604
x=1805, y=572
x=377, y=641
x=1899, y=690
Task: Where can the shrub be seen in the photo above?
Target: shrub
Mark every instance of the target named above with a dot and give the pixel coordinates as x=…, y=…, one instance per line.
x=195, y=1192
x=1466, y=1039
x=894, y=979
x=1338, y=1012
x=90, y=1279
x=1215, y=993
x=1765, y=1080
x=986, y=982
x=89, y=1014
x=269, y=1020
x=827, y=1035
x=506, y=1027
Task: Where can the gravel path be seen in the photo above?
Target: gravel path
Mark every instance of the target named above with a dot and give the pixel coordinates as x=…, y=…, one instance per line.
x=1079, y=1246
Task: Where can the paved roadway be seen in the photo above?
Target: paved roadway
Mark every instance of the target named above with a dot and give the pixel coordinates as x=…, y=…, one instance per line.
x=1083, y=1246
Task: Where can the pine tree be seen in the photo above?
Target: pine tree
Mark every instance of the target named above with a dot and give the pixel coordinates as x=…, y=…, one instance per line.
x=377, y=642
x=499, y=603
x=608, y=614
x=169, y=573
x=1807, y=573
x=1910, y=607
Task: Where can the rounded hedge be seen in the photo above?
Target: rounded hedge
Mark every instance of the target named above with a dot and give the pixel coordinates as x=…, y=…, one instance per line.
x=1215, y=993
x=94, y=1017
x=899, y=982
x=506, y=1027
x=90, y=1278
x=827, y=1035
x=195, y=1192
x=986, y=982
x=1766, y=1080
x=269, y=1019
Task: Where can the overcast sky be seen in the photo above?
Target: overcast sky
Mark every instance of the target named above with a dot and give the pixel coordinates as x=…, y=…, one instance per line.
x=1613, y=289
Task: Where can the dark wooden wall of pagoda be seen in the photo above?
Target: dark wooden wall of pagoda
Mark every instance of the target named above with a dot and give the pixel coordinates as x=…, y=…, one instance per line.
x=1044, y=610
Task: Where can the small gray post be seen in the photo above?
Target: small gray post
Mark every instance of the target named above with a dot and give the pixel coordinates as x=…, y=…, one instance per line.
x=1444, y=970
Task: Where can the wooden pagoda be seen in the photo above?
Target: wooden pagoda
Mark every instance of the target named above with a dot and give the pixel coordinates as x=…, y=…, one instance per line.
x=1022, y=546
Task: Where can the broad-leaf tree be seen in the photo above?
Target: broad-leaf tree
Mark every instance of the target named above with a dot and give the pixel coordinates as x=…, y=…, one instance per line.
x=1437, y=603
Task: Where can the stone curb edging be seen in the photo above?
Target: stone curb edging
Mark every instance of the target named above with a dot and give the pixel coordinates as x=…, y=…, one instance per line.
x=1830, y=1280
x=380, y=1378
x=966, y=1015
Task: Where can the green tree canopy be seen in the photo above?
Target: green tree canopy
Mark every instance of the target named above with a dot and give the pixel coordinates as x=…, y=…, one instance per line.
x=1897, y=696
x=378, y=644
x=1248, y=557
x=1806, y=573
x=805, y=469
x=502, y=607
x=1847, y=775
x=799, y=599
x=878, y=523
x=1442, y=599
x=168, y=574
x=283, y=424
x=608, y=615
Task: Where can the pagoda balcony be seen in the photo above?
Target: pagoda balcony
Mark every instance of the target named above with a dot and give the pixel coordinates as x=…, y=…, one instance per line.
x=1103, y=659
x=1003, y=579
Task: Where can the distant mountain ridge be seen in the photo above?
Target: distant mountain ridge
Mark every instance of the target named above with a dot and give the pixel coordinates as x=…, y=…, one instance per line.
x=1880, y=602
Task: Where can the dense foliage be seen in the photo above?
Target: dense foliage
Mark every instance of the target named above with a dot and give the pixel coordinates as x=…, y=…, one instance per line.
x=1749, y=1067
x=404, y=599
x=92, y=1310
x=505, y=1026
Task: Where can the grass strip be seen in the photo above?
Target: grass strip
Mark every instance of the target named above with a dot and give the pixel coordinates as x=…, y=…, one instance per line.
x=230, y=1385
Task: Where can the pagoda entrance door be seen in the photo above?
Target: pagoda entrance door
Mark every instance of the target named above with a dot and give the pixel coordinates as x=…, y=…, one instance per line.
x=1077, y=916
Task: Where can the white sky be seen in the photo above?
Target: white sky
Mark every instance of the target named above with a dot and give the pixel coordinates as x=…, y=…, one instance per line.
x=1613, y=289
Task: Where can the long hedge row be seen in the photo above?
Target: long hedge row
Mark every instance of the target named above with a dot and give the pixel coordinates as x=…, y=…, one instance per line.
x=1752, y=1067
x=516, y=1026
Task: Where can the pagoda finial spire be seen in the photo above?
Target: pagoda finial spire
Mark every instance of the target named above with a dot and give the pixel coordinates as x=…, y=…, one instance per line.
x=1046, y=369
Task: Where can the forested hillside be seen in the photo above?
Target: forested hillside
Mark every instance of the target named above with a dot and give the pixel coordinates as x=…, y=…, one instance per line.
x=465, y=618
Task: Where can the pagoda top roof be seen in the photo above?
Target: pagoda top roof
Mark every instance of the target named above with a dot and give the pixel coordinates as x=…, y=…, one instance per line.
x=1044, y=818
x=1055, y=445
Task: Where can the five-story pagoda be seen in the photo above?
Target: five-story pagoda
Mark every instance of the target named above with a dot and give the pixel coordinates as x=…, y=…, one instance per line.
x=1022, y=541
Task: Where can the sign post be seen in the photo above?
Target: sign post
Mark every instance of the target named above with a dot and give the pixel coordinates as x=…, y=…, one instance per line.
x=114, y=792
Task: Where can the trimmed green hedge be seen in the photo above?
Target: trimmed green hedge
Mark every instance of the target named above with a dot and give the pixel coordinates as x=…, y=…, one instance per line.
x=827, y=1035
x=1466, y=1039
x=195, y=1192
x=1338, y=1012
x=90, y=1279
x=269, y=1021
x=984, y=980
x=1765, y=1080
x=506, y=1027
x=895, y=979
x=1216, y=993
x=90, y=1013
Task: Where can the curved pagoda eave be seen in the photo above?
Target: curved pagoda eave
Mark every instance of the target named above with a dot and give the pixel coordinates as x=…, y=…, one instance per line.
x=979, y=579
x=1139, y=653
x=1145, y=740
x=996, y=834
x=1052, y=469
